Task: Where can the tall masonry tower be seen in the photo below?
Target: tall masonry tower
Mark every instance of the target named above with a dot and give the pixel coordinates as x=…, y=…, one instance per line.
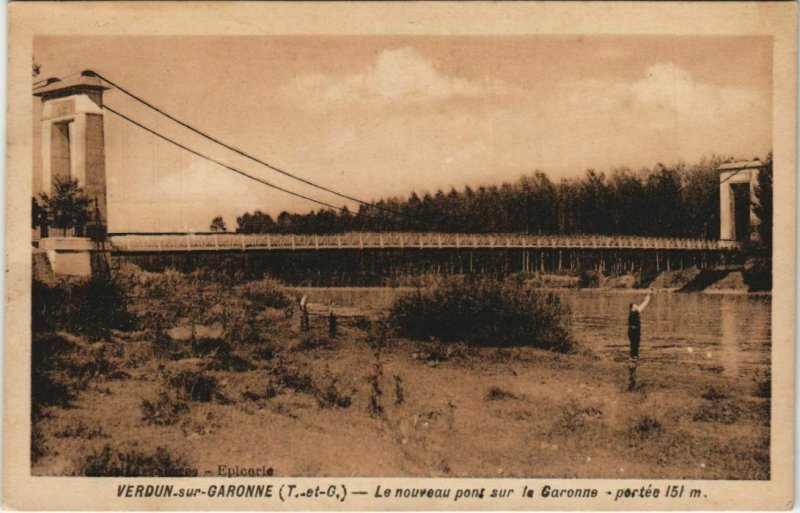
x=72, y=136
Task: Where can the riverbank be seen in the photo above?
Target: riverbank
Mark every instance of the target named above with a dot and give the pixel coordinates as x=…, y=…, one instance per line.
x=359, y=405
x=723, y=281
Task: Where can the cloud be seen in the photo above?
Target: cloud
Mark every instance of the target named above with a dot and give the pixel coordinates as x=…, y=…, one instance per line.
x=400, y=76
x=665, y=114
x=673, y=87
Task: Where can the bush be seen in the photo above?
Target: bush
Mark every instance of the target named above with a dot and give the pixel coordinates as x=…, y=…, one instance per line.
x=267, y=293
x=110, y=462
x=484, y=312
x=91, y=307
x=290, y=377
x=149, y=284
x=166, y=410
x=49, y=385
x=332, y=394
x=647, y=426
x=713, y=394
x=61, y=366
x=196, y=386
x=312, y=340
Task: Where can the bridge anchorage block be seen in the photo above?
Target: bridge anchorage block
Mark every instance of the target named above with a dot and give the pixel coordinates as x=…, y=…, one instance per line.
x=72, y=256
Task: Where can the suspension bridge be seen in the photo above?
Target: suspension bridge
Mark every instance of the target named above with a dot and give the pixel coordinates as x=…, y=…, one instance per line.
x=73, y=146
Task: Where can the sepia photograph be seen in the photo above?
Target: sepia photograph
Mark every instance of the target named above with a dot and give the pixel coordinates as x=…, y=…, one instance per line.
x=498, y=256
x=523, y=256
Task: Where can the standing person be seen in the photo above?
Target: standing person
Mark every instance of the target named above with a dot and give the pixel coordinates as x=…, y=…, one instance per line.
x=634, y=337
x=331, y=322
x=304, y=313
x=635, y=325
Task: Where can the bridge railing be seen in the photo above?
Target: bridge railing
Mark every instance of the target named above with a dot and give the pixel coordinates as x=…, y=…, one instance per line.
x=398, y=240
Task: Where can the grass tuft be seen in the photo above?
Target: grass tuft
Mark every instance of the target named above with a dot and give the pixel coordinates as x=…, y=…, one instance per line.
x=164, y=411
x=498, y=394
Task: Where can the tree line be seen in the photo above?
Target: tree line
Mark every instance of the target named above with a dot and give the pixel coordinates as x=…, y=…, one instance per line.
x=666, y=201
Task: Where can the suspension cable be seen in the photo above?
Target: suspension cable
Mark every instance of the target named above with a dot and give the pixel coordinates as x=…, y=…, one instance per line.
x=251, y=157
x=231, y=168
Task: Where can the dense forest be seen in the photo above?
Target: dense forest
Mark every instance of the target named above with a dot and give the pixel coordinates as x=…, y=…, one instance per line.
x=672, y=201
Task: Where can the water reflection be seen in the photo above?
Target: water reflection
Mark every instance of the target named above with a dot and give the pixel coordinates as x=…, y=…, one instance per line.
x=729, y=350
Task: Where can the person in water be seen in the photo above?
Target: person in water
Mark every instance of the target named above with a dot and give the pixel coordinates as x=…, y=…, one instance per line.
x=635, y=325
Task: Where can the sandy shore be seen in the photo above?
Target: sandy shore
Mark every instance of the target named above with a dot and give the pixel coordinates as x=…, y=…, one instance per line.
x=306, y=405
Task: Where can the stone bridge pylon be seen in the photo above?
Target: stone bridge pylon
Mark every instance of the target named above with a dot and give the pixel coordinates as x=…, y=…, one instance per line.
x=73, y=147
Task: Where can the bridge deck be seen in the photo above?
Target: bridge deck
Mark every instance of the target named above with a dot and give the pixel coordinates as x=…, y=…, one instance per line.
x=158, y=243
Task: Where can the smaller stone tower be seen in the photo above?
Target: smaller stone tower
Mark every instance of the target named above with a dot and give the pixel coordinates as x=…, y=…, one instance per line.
x=737, y=185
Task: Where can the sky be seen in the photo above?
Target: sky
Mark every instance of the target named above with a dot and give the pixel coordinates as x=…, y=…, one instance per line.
x=377, y=116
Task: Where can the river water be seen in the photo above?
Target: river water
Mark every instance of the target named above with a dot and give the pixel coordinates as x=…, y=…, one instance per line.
x=726, y=333
x=723, y=333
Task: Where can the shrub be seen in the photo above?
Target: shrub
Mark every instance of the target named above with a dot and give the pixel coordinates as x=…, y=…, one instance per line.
x=484, y=312
x=312, y=340
x=267, y=293
x=327, y=389
x=363, y=323
x=288, y=377
x=196, y=386
x=81, y=430
x=331, y=394
x=498, y=394
x=713, y=394
x=149, y=284
x=166, y=410
x=111, y=462
x=647, y=426
x=62, y=366
x=91, y=307
x=49, y=384
x=237, y=317
x=264, y=353
x=227, y=361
